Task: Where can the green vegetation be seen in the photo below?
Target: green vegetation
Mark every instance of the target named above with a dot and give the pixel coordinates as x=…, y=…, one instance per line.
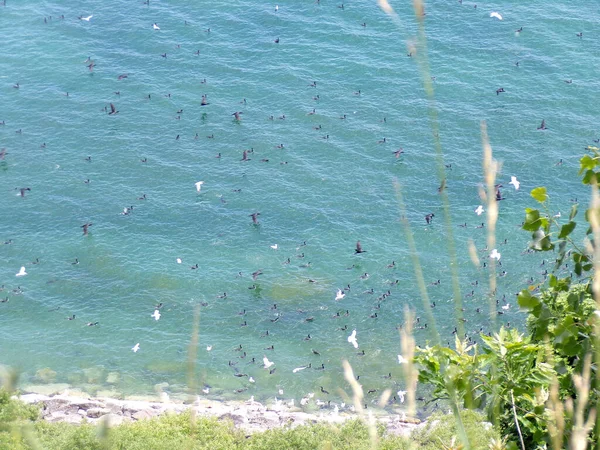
x=540, y=389
x=180, y=431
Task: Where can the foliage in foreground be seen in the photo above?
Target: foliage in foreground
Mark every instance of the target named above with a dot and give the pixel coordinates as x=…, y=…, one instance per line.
x=542, y=389
x=179, y=431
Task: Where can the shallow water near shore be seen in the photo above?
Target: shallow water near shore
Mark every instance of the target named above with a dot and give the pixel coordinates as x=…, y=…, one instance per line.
x=316, y=196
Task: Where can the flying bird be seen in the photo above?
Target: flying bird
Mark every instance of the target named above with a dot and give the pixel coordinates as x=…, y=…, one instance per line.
x=339, y=295
x=87, y=19
x=267, y=363
x=155, y=26
x=358, y=248
x=479, y=210
x=85, y=227
x=156, y=314
x=496, y=15
x=255, y=217
x=113, y=110
x=199, y=185
x=516, y=183
x=22, y=272
x=495, y=254
x=352, y=339
x=22, y=191
x=542, y=126
x=136, y=347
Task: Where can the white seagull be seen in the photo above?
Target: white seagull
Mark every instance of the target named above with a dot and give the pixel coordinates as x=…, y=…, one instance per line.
x=352, y=339
x=401, y=395
x=496, y=15
x=516, y=183
x=274, y=246
x=267, y=362
x=156, y=314
x=495, y=254
x=136, y=347
x=87, y=19
x=208, y=348
x=199, y=185
x=22, y=272
x=178, y=260
x=298, y=369
x=339, y=294
x=401, y=359
x=155, y=26
x=479, y=210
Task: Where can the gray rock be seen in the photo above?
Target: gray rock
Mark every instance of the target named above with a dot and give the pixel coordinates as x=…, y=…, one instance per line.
x=94, y=413
x=143, y=414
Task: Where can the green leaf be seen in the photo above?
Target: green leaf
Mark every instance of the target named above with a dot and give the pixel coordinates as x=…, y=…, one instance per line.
x=526, y=300
x=566, y=229
x=539, y=194
x=573, y=211
x=587, y=163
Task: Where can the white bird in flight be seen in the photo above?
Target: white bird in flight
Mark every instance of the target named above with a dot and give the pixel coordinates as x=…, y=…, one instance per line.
x=155, y=26
x=401, y=395
x=339, y=295
x=274, y=246
x=208, y=348
x=298, y=369
x=401, y=359
x=136, y=347
x=87, y=19
x=267, y=362
x=516, y=183
x=352, y=339
x=22, y=272
x=178, y=260
x=495, y=254
x=496, y=15
x=479, y=210
x=156, y=314
x=199, y=185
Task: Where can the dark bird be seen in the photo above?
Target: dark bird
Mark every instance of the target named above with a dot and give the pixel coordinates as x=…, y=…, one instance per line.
x=113, y=110
x=498, y=91
x=122, y=76
x=429, y=218
x=85, y=227
x=245, y=156
x=398, y=152
x=204, y=101
x=237, y=116
x=255, y=217
x=2, y=153
x=22, y=191
x=324, y=391
x=256, y=274
x=542, y=126
x=358, y=248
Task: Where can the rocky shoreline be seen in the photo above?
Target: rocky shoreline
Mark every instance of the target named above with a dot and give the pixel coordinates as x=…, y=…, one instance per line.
x=250, y=416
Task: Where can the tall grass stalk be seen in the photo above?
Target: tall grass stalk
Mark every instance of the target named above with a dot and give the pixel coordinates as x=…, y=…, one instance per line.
x=358, y=397
x=191, y=370
x=490, y=169
x=416, y=263
x=423, y=62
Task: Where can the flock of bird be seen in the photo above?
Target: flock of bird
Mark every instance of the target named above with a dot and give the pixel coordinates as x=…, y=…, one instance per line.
x=265, y=365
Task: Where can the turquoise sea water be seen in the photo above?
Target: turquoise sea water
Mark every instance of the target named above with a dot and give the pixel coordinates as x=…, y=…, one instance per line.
x=324, y=192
